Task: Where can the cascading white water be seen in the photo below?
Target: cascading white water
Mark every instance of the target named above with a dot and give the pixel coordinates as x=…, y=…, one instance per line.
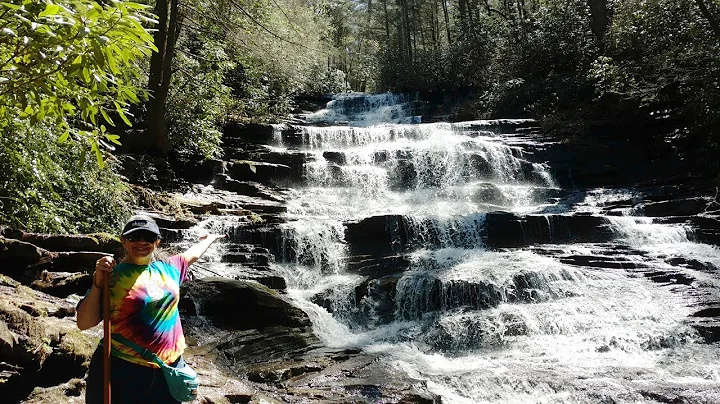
x=364, y=110
x=482, y=325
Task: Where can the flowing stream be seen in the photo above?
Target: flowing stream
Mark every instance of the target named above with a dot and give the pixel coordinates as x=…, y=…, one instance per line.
x=480, y=324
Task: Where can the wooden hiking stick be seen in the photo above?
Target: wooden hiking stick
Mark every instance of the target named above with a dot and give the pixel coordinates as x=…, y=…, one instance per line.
x=106, y=338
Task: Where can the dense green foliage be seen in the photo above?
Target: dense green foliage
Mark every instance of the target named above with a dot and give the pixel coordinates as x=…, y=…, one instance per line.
x=663, y=60
x=583, y=60
x=67, y=72
x=45, y=186
x=245, y=61
x=71, y=68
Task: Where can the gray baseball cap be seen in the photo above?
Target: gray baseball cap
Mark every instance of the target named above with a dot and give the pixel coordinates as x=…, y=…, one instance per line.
x=141, y=222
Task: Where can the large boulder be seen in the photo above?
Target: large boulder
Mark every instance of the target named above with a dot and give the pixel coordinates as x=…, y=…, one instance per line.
x=21, y=260
x=243, y=321
x=240, y=305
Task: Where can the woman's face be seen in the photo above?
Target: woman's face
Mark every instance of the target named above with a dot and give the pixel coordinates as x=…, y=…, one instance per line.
x=139, y=246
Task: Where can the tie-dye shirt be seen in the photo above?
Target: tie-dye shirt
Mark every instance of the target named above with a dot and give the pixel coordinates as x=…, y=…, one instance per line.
x=144, y=309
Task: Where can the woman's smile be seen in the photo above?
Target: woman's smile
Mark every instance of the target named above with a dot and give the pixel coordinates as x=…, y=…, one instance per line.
x=142, y=249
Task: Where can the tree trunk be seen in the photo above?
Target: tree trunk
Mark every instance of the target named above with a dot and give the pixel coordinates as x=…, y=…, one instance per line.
x=168, y=29
x=387, y=21
x=447, y=19
x=462, y=9
x=599, y=21
x=709, y=17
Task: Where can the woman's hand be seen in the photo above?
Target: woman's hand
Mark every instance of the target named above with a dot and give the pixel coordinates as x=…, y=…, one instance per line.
x=88, y=311
x=193, y=253
x=103, y=267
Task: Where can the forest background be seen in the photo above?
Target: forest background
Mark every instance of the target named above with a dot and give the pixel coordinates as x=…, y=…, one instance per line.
x=82, y=82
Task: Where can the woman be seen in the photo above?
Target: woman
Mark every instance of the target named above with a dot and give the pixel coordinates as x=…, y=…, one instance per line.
x=144, y=296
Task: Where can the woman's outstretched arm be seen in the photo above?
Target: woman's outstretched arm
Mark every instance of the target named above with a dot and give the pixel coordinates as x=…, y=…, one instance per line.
x=196, y=251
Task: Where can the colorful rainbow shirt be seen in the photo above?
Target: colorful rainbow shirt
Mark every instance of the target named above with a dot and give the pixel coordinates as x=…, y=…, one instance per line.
x=144, y=309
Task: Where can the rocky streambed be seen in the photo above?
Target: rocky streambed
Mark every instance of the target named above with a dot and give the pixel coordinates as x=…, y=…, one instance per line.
x=250, y=341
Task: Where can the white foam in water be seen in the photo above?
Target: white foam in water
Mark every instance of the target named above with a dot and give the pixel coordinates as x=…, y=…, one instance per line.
x=611, y=333
x=368, y=110
x=506, y=326
x=641, y=231
x=420, y=168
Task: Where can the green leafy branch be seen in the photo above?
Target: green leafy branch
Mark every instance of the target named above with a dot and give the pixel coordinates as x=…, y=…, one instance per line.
x=72, y=62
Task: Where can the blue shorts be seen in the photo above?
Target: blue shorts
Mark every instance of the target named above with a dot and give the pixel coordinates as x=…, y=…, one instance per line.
x=130, y=383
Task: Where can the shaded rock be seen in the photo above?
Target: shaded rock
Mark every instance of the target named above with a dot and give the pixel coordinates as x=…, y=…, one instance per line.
x=393, y=234
x=197, y=171
x=241, y=305
x=677, y=207
x=250, y=259
x=291, y=158
x=706, y=229
x=335, y=157
x=247, y=188
x=258, y=171
x=602, y=261
x=74, y=261
x=99, y=242
x=375, y=298
x=376, y=235
x=63, y=284
x=511, y=230
x=376, y=267
x=47, y=347
x=269, y=237
x=248, y=132
x=167, y=222
x=21, y=260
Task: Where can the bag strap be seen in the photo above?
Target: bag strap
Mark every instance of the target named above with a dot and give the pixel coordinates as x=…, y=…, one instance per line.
x=144, y=352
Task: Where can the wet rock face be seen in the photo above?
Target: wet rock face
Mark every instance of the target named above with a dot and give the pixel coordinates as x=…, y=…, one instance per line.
x=511, y=230
x=340, y=376
x=240, y=305
x=243, y=321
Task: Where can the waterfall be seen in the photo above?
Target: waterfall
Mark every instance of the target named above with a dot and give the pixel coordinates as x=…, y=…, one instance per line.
x=386, y=244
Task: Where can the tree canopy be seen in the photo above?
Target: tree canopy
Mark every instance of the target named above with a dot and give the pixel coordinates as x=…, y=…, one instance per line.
x=72, y=62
